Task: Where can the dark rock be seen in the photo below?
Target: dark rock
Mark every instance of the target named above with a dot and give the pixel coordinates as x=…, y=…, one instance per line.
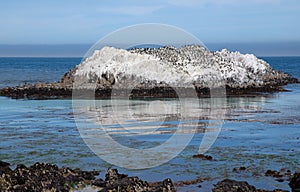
x=275, y=190
x=203, y=157
x=4, y=167
x=113, y=175
x=21, y=166
x=228, y=185
x=121, y=182
x=4, y=164
x=239, y=169
x=271, y=173
x=295, y=182
x=48, y=177
x=43, y=177
x=99, y=183
x=280, y=180
x=165, y=186
x=288, y=173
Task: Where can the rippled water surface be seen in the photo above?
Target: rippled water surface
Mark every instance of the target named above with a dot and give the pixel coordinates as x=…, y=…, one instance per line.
x=260, y=133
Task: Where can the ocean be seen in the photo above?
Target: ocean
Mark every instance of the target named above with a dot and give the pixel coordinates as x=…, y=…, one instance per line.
x=259, y=132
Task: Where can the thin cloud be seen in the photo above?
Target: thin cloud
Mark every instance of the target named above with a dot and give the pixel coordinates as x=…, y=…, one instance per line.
x=130, y=10
x=193, y=3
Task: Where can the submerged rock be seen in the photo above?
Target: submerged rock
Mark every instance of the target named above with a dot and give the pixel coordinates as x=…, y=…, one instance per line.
x=203, y=157
x=272, y=173
x=239, y=169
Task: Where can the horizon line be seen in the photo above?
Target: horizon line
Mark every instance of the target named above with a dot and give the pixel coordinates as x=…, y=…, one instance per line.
x=266, y=49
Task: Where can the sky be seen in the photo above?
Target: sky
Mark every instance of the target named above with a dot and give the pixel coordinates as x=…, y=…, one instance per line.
x=214, y=22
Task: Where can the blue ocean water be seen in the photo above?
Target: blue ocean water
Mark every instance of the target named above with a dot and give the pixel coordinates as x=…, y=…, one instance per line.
x=17, y=71
x=259, y=133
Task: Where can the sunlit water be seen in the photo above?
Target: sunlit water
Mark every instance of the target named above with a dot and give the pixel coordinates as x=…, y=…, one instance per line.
x=259, y=133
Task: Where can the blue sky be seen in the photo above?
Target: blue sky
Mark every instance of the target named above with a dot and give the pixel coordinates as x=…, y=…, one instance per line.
x=262, y=27
x=86, y=21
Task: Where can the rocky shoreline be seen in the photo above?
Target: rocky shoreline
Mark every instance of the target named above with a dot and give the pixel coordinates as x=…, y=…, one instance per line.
x=47, y=177
x=56, y=91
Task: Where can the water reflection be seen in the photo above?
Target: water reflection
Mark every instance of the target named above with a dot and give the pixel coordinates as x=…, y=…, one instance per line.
x=110, y=127
x=45, y=131
x=140, y=117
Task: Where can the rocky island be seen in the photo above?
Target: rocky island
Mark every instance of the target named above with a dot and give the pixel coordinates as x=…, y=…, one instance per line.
x=155, y=72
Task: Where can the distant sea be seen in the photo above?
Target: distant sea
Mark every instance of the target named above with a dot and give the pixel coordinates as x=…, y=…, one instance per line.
x=259, y=133
x=18, y=70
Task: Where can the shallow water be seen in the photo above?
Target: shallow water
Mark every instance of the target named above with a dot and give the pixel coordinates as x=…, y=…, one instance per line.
x=260, y=133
